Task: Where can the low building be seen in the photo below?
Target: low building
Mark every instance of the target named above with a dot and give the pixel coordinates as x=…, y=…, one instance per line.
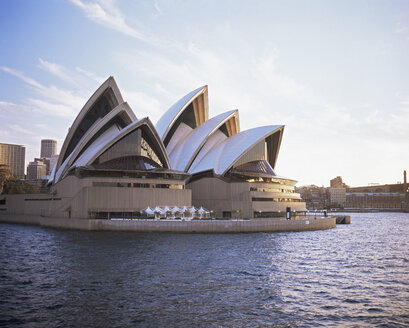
x=337, y=197
x=376, y=200
x=316, y=198
x=36, y=170
x=379, y=197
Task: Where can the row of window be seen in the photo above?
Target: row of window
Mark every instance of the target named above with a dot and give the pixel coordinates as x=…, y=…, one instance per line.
x=37, y=199
x=265, y=189
x=259, y=199
x=137, y=185
x=139, y=215
x=259, y=215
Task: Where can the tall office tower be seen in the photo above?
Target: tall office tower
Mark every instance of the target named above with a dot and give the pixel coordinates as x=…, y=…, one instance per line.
x=48, y=148
x=14, y=157
x=36, y=170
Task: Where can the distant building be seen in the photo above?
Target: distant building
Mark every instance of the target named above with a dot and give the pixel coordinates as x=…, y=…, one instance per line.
x=36, y=170
x=337, y=183
x=14, y=157
x=48, y=148
x=45, y=161
x=316, y=198
x=380, y=197
x=337, y=197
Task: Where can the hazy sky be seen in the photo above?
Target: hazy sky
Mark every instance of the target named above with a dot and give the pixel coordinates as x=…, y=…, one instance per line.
x=335, y=73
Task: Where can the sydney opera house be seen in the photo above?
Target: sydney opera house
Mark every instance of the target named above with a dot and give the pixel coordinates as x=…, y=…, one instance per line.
x=115, y=164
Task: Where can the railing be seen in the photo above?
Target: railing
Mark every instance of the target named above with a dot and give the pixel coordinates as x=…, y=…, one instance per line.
x=318, y=213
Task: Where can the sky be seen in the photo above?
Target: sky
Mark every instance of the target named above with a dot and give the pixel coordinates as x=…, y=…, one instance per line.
x=335, y=73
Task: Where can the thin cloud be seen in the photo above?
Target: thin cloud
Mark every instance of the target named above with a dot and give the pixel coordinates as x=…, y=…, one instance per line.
x=19, y=129
x=52, y=100
x=56, y=69
x=106, y=14
x=158, y=9
x=22, y=77
x=90, y=75
x=401, y=28
x=6, y=104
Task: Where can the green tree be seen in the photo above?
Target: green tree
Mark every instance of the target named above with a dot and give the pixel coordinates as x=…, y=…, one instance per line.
x=14, y=186
x=4, y=174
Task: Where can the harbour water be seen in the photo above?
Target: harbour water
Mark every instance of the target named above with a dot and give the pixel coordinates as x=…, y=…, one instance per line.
x=355, y=275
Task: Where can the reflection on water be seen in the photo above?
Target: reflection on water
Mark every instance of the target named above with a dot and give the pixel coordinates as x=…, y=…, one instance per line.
x=350, y=276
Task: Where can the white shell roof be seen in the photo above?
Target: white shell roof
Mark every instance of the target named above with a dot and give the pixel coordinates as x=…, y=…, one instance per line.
x=168, y=119
x=223, y=156
x=107, y=140
x=109, y=83
x=184, y=153
x=122, y=109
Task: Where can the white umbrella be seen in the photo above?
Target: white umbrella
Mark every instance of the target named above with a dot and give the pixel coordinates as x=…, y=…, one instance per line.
x=175, y=209
x=149, y=211
x=183, y=210
x=202, y=211
x=191, y=211
x=157, y=209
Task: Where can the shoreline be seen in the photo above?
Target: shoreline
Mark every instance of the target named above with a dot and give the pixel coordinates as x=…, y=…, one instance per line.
x=195, y=226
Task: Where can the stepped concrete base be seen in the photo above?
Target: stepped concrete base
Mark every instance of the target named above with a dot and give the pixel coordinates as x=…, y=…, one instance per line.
x=204, y=226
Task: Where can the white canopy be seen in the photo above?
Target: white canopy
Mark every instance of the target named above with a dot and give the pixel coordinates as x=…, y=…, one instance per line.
x=176, y=209
x=149, y=211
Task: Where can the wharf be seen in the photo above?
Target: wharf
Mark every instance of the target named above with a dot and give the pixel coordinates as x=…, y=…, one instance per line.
x=194, y=226
x=343, y=219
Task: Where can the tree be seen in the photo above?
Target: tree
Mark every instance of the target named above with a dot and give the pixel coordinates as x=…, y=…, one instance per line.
x=14, y=186
x=4, y=173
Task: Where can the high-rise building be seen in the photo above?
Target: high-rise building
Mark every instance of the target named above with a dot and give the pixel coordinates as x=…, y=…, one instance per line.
x=48, y=148
x=14, y=157
x=36, y=170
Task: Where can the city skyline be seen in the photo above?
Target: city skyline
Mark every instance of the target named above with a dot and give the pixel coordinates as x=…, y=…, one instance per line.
x=335, y=74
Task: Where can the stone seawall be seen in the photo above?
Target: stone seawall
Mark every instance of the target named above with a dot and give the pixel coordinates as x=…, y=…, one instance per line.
x=205, y=226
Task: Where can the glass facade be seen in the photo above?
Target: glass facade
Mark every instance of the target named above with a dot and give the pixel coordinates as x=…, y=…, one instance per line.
x=137, y=185
x=134, y=145
x=265, y=199
x=261, y=166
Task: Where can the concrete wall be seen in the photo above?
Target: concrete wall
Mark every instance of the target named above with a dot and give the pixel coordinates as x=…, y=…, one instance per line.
x=76, y=198
x=235, y=197
x=128, y=199
x=205, y=226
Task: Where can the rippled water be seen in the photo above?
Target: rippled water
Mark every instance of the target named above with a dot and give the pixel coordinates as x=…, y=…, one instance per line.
x=351, y=276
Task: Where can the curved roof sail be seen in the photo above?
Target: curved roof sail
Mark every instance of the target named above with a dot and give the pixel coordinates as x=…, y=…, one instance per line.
x=137, y=139
x=183, y=154
x=192, y=109
x=121, y=116
x=104, y=99
x=246, y=146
